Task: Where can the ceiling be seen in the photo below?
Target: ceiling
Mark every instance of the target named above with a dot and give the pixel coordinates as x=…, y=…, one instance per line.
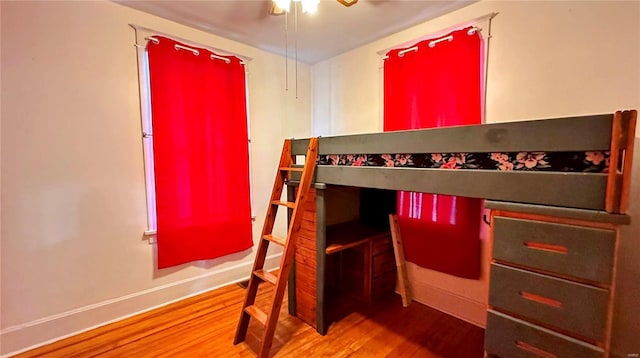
x=334, y=29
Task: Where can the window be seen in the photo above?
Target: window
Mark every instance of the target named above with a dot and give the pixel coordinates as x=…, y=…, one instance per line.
x=435, y=83
x=195, y=132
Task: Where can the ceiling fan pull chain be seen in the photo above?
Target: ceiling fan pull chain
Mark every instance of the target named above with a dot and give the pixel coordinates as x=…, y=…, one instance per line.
x=295, y=41
x=286, y=52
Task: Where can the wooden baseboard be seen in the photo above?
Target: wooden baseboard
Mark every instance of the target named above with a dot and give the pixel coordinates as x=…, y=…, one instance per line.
x=26, y=336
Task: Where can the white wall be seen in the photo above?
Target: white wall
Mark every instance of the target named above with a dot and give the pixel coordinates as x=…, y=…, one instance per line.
x=73, y=198
x=546, y=59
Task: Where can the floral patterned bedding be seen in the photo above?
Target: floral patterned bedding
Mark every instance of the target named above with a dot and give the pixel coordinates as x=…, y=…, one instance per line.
x=594, y=162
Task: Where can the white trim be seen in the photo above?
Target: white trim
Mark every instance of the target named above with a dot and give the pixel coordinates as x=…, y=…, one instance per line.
x=441, y=33
x=246, y=91
x=26, y=336
x=461, y=307
x=484, y=47
x=147, y=141
x=143, y=35
x=142, y=32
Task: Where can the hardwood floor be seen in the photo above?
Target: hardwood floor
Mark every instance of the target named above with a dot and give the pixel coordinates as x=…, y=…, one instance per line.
x=204, y=326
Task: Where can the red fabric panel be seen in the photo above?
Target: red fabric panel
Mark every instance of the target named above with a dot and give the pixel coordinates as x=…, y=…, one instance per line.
x=427, y=88
x=200, y=154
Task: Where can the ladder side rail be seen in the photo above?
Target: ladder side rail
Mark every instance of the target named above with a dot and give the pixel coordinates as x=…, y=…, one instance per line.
x=290, y=247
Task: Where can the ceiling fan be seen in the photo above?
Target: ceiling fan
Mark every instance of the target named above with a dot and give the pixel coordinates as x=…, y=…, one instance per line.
x=279, y=7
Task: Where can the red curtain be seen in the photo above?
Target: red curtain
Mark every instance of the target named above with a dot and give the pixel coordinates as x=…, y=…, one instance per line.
x=435, y=87
x=201, y=156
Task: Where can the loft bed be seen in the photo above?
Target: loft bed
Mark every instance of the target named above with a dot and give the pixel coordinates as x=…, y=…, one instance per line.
x=563, y=162
x=558, y=190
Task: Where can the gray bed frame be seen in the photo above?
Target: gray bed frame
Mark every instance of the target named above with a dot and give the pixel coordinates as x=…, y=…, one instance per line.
x=592, y=191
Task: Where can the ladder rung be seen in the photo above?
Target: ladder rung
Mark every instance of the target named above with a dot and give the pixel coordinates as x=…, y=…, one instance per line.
x=277, y=240
x=288, y=204
x=266, y=276
x=256, y=313
x=292, y=169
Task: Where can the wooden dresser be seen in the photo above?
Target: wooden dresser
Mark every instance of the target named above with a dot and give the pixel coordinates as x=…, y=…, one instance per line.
x=552, y=281
x=344, y=256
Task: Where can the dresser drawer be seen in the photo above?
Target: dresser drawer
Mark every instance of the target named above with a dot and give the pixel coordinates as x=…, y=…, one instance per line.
x=577, y=251
x=508, y=337
x=567, y=305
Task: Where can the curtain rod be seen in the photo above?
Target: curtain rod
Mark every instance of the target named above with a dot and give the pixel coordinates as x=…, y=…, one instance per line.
x=433, y=43
x=195, y=51
x=188, y=42
x=440, y=33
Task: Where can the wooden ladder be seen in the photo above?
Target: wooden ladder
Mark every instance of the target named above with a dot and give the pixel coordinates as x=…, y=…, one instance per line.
x=258, y=274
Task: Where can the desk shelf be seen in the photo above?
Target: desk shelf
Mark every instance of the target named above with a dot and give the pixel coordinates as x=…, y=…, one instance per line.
x=351, y=234
x=343, y=255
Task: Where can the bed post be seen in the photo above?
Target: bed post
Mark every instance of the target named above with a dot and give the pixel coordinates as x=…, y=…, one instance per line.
x=620, y=161
x=629, y=118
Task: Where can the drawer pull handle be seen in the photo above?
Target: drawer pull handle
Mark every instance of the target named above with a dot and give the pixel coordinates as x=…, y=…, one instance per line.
x=558, y=249
x=536, y=351
x=541, y=299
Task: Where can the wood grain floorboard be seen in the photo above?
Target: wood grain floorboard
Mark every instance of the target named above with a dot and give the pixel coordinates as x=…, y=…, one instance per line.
x=204, y=326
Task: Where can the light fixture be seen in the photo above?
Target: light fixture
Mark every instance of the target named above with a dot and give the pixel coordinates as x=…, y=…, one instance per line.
x=308, y=6
x=283, y=4
x=280, y=7
x=347, y=3
x=283, y=7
